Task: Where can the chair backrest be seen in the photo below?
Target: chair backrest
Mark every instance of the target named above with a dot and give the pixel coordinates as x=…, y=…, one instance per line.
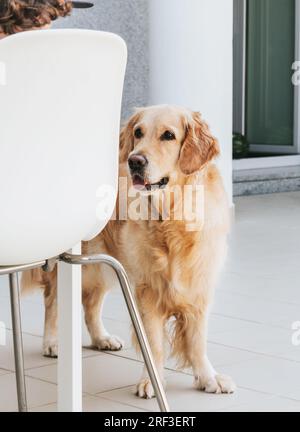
x=60, y=104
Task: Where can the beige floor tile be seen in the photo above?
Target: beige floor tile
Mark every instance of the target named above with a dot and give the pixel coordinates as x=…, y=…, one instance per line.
x=263, y=311
x=264, y=288
x=218, y=323
x=32, y=352
x=4, y=371
x=270, y=375
x=38, y=393
x=4, y=290
x=32, y=315
x=183, y=397
x=260, y=339
x=271, y=404
x=94, y=404
x=100, y=373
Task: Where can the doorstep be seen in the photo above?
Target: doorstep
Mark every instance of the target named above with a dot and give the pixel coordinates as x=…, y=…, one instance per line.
x=266, y=180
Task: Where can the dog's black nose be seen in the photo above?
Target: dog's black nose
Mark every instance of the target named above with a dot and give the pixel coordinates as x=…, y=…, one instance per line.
x=137, y=162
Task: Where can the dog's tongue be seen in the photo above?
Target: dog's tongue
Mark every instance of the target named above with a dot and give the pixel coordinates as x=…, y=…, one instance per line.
x=138, y=182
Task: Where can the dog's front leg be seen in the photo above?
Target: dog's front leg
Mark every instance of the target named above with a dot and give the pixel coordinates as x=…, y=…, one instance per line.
x=154, y=327
x=206, y=378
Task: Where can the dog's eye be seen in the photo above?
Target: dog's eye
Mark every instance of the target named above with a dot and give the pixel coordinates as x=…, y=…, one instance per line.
x=138, y=133
x=167, y=136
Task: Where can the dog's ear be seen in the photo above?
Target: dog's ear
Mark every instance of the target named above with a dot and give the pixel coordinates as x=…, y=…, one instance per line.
x=126, y=136
x=199, y=146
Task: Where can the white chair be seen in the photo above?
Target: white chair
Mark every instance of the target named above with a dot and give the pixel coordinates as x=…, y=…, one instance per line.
x=60, y=103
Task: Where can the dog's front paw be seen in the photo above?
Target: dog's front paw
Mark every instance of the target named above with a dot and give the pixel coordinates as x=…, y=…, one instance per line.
x=215, y=384
x=144, y=389
x=226, y=383
x=108, y=343
x=50, y=349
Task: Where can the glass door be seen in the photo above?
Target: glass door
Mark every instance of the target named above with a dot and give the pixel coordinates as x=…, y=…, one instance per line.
x=265, y=99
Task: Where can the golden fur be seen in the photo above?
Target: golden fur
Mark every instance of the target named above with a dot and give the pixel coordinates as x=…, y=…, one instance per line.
x=172, y=264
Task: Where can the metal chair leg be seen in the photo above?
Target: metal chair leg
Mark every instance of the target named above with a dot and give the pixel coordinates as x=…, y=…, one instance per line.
x=142, y=338
x=134, y=314
x=18, y=343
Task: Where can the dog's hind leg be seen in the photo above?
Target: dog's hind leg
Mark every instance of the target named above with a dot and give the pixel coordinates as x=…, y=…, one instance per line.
x=50, y=347
x=38, y=279
x=93, y=296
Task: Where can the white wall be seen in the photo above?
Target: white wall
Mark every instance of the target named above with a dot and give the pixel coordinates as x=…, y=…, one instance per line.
x=190, y=44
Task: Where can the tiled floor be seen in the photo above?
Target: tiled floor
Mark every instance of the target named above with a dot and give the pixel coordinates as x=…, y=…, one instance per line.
x=250, y=335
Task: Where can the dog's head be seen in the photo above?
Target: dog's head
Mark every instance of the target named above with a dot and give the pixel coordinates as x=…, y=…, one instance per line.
x=161, y=143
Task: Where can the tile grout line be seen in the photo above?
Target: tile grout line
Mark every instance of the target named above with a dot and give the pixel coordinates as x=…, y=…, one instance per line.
x=272, y=326
x=99, y=395
x=274, y=356
x=252, y=296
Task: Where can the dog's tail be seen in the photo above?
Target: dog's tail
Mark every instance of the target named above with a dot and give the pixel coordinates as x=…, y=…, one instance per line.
x=179, y=337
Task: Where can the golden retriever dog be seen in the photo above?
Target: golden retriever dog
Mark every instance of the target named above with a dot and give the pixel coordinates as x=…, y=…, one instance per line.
x=173, y=257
